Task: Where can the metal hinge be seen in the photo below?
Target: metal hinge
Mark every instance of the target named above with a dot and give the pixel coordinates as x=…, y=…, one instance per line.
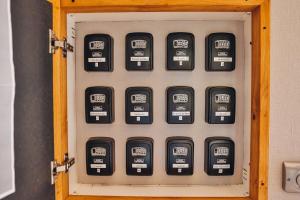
x=64, y=167
x=55, y=43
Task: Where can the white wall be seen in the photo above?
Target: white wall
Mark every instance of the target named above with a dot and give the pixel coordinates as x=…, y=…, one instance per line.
x=285, y=92
x=7, y=90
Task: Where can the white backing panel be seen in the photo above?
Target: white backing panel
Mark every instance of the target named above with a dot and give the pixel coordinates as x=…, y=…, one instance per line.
x=159, y=79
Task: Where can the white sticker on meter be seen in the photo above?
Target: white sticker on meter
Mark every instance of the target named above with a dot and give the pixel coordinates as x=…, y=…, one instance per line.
x=139, y=114
x=181, y=58
x=180, y=166
x=222, y=59
x=222, y=114
x=98, y=166
x=181, y=113
x=143, y=166
x=139, y=59
x=217, y=166
x=98, y=113
x=91, y=60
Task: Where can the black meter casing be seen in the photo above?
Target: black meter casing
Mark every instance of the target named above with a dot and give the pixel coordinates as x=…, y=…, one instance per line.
x=180, y=51
x=180, y=105
x=98, y=53
x=139, y=105
x=220, y=52
x=180, y=156
x=219, y=156
x=139, y=51
x=220, y=103
x=99, y=105
x=100, y=156
x=139, y=156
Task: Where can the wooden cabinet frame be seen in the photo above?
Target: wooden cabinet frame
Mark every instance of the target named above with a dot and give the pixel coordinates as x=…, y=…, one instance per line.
x=260, y=80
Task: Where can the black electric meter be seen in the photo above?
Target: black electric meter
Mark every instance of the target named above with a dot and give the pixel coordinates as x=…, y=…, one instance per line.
x=220, y=105
x=100, y=155
x=139, y=51
x=139, y=105
x=220, y=52
x=99, y=105
x=219, y=156
x=180, y=156
x=139, y=156
x=180, y=105
x=180, y=51
x=98, y=52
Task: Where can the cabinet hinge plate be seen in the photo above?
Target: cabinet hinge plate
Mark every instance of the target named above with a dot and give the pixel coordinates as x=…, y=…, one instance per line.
x=55, y=43
x=57, y=168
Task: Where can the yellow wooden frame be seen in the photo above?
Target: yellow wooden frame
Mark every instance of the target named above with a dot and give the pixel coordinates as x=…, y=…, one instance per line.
x=260, y=81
